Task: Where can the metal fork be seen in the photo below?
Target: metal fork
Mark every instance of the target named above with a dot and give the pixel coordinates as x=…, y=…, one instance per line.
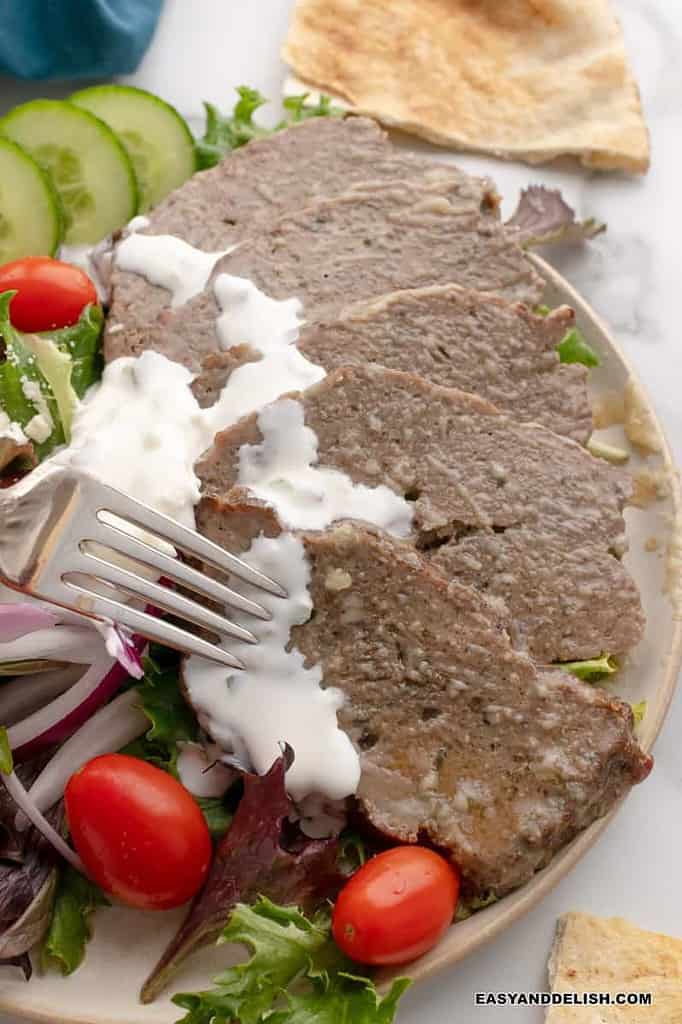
x=54, y=525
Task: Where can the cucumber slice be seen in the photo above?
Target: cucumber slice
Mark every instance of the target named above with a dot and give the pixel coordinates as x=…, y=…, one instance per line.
x=30, y=212
x=157, y=138
x=88, y=165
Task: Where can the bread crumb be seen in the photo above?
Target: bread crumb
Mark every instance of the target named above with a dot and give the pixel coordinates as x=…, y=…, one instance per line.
x=639, y=424
x=649, y=485
x=673, y=580
x=651, y=544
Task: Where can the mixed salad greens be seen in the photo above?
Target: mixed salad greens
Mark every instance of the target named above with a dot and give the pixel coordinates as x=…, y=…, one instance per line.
x=293, y=965
x=268, y=887
x=48, y=371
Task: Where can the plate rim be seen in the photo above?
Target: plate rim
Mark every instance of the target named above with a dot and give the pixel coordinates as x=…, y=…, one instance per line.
x=488, y=923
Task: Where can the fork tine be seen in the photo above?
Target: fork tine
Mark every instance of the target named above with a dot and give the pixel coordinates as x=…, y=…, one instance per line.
x=163, y=597
x=192, y=543
x=173, y=569
x=151, y=628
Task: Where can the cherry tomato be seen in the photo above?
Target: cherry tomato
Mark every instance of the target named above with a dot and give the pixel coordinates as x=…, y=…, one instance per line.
x=396, y=906
x=139, y=833
x=49, y=293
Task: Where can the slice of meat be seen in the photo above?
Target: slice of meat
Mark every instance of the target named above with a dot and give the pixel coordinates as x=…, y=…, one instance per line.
x=254, y=186
x=463, y=742
x=452, y=336
x=511, y=509
x=364, y=243
x=464, y=339
x=286, y=171
x=339, y=251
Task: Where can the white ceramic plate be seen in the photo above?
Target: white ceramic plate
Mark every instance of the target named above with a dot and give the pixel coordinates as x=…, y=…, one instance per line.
x=128, y=943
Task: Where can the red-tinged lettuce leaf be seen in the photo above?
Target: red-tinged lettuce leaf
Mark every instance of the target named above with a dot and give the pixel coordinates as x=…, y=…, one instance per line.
x=16, y=458
x=544, y=218
x=23, y=961
x=12, y=840
x=28, y=876
x=255, y=858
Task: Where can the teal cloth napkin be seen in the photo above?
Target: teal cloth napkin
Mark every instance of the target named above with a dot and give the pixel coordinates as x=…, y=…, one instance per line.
x=74, y=38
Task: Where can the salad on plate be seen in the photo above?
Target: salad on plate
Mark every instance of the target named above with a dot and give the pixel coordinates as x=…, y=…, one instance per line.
x=332, y=357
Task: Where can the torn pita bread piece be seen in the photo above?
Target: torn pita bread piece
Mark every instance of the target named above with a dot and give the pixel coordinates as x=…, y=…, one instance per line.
x=596, y=954
x=524, y=79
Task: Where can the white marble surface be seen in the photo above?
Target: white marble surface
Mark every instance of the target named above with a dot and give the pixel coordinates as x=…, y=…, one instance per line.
x=632, y=277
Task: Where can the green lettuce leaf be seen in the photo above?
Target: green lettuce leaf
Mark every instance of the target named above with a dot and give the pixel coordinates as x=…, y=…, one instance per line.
x=225, y=132
x=591, y=669
x=172, y=721
x=81, y=342
x=352, y=851
x=217, y=815
x=69, y=932
x=294, y=975
x=574, y=349
x=171, y=718
x=298, y=109
x=62, y=364
x=468, y=907
x=56, y=367
x=6, y=759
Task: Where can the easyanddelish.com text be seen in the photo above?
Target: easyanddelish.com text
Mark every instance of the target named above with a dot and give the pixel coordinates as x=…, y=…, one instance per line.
x=563, y=998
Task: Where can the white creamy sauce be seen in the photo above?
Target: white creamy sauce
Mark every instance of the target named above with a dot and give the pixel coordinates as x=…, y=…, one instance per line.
x=271, y=327
x=92, y=259
x=168, y=262
x=276, y=698
x=200, y=770
x=318, y=818
x=249, y=316
x=40, y=426
x=254, y=385
x=282, y=472
x=141, y=430
x=11, y=430
x=138, y=223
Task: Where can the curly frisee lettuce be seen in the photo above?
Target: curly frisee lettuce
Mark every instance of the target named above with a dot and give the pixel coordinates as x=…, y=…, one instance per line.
x=224, y=133
x=295, y=974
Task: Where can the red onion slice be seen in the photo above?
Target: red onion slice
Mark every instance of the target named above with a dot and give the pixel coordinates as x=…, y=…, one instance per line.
x=25, y=804
x=62, y=717
x=120, y=644
x=18, y=619
x=22, y=696
x=61, y=643
x=109, y=729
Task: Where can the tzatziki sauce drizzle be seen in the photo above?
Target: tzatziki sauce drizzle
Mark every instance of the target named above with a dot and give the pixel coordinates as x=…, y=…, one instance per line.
x=276, y=698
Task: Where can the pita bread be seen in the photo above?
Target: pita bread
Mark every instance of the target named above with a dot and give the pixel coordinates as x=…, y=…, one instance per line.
x=595, y=954
x=524, y=79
